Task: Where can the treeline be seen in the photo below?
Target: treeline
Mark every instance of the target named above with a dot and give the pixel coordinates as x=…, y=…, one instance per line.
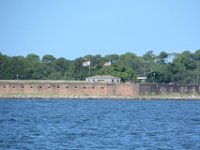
x=181, y=68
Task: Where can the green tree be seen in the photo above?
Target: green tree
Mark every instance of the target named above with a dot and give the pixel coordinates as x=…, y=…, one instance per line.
x=181, y=66
x=80, y=72
x=34, y=65
x=48, y=64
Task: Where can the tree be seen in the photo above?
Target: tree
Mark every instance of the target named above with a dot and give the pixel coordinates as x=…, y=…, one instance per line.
x=80, y=72
x=48, y=62
x=180, y=68
x=33, y=66
x=48, y=58
x=5, y=67
x=19, y=67
x=149, y=56
x=162, y=57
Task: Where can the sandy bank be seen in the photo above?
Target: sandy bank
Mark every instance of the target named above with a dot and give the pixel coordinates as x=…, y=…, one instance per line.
x=150, y=97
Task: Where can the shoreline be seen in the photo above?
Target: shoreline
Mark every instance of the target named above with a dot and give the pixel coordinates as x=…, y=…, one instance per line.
x=149, y=97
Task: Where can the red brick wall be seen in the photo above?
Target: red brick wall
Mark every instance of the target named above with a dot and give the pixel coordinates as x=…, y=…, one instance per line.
x=57, y=88
x=123, y=89
x=25, y=88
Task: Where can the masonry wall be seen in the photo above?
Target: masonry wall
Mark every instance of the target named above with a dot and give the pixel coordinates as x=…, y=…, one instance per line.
x=155, y=89
x=123, y=89
x=58, y=88
x=30, y=88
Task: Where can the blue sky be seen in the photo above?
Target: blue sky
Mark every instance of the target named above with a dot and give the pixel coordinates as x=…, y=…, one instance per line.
x=75, y=28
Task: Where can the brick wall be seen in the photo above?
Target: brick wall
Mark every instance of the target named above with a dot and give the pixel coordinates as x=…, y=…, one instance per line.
x=66, y=89
x=53, y=88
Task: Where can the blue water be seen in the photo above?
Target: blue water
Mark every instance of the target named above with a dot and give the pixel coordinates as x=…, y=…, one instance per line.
x=99, y=124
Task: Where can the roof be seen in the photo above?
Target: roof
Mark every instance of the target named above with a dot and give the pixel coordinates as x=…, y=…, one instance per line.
x=103, y=77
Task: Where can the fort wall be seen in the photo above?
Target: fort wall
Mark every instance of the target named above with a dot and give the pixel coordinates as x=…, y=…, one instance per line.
x=157, y=89
x=56, y=88
x=66, y=89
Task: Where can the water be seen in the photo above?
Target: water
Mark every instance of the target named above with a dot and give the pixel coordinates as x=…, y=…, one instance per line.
x=99, y=124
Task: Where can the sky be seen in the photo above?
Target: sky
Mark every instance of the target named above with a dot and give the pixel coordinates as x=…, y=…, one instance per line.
x=75, y=28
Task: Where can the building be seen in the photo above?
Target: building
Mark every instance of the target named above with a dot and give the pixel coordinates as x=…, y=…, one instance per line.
x=142, y=79
x=104, y=79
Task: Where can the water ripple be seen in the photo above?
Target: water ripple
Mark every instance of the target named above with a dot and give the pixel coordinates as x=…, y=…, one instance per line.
x=99, y=124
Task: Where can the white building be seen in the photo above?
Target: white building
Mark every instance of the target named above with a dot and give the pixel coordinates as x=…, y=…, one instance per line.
x=104, y=79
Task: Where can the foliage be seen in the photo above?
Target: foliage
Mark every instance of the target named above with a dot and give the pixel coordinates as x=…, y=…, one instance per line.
x=161, y=68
